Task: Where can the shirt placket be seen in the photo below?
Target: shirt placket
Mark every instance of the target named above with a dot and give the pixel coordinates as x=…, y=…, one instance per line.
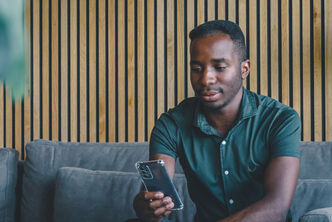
x=225, y=172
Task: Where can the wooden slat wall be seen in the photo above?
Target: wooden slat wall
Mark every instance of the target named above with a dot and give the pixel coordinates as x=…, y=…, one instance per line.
x=104, y=70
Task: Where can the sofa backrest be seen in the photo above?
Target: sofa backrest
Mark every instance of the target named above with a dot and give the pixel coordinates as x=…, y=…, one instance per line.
x=314, y=187
x=44, y=158
x=316, y=160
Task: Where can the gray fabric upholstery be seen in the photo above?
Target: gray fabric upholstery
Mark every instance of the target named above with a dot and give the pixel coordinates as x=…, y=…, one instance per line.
x=321, y=215
x=86, y=196
x=44, y=158
x=8, y=178
x=311, y=194
x=316, y=160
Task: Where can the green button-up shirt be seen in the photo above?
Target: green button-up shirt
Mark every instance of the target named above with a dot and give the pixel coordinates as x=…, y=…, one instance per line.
x=225, y=173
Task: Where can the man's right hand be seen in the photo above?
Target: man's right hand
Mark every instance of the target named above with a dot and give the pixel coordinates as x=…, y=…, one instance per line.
x=152, y=206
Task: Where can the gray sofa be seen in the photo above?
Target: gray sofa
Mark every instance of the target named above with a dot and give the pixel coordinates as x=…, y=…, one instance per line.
x=97, y=182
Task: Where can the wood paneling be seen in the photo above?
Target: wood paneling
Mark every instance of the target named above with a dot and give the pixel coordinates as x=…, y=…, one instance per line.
x=104, y=70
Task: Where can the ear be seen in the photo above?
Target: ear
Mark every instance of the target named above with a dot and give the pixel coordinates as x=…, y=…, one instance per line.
x=245, y=68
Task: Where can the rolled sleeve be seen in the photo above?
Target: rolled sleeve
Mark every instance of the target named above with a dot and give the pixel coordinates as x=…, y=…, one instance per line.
x=164, y=136
x=285, y=135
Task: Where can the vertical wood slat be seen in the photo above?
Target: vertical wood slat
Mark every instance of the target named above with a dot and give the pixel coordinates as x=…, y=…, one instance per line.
x=306, y=71
x=222, y=10
x=18, y=126
x=9, y=119
x=45, y=75
x=328, y=65
x=83, y=71
x=27, y=99
x=150, y=68
x=285, y=52
x=131, y=70
x=160, y=56
x=232, y=10
x=170, y=53
x=263, y=48
x=242, y=24
x=111, y=69
x=211, y=10
x=317, y=71
x=141, y=61
x=200, y=11
x=36, y=65
x=93, y=71
x=253, y=46
x=296, y=87
x=64, y=71
x=190, y=26
x=102, y=72
x=121, y=71
x=180, y=52
x=2, y=118
x=274, y=50
x=73, y=71
x=54, y=73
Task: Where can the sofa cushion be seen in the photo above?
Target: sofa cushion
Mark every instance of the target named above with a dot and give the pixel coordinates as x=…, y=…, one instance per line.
x=316, y=160
x=311, y=194
x=8, y=178
x=318, y=215
x=85, y=195
x=44, y=158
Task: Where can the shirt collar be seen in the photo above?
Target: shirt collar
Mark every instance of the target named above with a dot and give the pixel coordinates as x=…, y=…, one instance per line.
x=248, y=109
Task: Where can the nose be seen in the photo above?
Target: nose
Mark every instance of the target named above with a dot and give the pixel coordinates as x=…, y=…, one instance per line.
x=208, y=77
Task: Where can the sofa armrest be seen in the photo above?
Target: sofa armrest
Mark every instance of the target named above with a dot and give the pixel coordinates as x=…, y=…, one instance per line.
x=318, y=215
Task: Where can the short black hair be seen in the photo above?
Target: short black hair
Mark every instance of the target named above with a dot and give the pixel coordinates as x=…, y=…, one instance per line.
x=225, y=27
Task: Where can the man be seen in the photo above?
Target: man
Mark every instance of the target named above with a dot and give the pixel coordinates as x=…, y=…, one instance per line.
x=239, y=150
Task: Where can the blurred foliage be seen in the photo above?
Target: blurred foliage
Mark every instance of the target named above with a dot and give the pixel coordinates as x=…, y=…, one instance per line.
x=12, y=46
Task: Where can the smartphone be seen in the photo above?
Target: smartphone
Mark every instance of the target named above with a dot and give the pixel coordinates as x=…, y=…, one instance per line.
x=155, y=178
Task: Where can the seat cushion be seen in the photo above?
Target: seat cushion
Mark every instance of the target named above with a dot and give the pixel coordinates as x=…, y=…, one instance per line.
x=8, y=178
x=311, y=194
x=86, y=196
x=44, y=158
x=318, y=215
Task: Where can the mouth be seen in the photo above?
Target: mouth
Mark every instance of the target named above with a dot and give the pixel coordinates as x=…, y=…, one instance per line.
x=209, y=96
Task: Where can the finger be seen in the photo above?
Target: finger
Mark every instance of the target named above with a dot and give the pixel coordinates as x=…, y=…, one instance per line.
x=153, y=195
x=162, y=210
x=167, y=213
x=159, y=212
x=159, y=203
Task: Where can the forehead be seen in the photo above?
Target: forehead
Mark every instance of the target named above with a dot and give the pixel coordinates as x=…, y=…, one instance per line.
x=214, y=45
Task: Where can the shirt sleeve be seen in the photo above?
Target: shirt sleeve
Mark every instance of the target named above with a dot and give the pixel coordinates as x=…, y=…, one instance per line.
x=164, y=136
x=285, y=134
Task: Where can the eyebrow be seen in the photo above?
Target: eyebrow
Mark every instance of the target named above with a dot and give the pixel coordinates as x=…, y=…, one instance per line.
x=219, y=60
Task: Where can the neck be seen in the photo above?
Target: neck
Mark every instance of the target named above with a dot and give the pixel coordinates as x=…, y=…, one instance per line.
x=223, y=119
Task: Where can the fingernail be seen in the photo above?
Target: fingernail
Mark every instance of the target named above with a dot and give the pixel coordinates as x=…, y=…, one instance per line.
x=159, y=195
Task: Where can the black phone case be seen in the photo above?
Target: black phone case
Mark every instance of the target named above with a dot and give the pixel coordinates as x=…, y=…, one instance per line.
x=155, y=178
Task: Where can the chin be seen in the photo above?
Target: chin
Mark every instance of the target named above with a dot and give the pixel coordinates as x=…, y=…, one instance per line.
x=213, y=105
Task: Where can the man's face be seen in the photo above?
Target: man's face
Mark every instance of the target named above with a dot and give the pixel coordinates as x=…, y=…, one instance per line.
x=216, y=73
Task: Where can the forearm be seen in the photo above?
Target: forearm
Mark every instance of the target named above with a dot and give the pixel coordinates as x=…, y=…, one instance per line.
x=261, y=211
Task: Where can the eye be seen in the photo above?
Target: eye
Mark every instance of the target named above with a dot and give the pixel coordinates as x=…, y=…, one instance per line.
x=220, y=68
x=196, y=68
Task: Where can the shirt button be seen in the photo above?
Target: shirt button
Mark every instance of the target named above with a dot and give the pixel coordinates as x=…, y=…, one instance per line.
x=231, y=201
x=226, y=172
x=223, y=142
